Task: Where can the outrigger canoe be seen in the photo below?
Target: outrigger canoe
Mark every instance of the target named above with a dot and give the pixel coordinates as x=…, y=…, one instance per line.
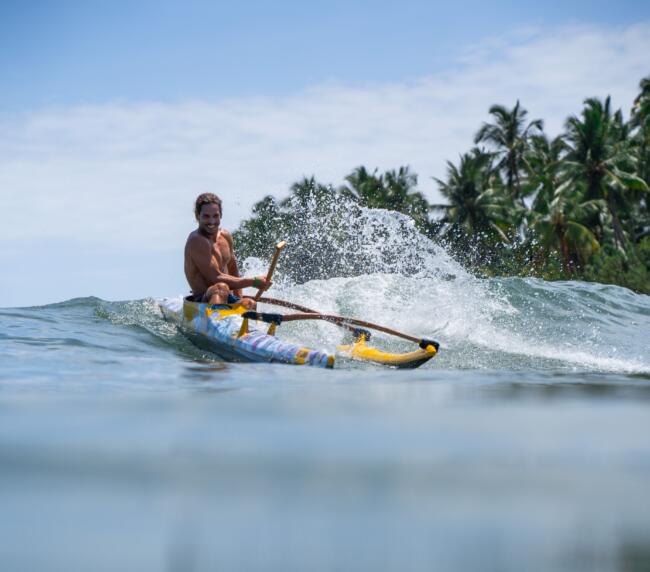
x=233, y=333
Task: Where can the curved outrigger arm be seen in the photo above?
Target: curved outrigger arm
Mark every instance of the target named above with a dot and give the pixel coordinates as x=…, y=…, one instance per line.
x=424, y=343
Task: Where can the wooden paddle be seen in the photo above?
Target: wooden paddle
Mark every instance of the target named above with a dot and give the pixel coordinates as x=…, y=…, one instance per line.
x=278, y=249
x=339, y=321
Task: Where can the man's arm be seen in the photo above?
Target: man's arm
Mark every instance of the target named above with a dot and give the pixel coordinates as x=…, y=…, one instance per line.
x=200, y=251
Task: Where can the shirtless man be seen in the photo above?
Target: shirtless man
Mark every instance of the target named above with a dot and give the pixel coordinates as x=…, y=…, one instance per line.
x=210, y=263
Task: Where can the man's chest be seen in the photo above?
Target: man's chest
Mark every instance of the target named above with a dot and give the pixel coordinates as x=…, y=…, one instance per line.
x=221, y=252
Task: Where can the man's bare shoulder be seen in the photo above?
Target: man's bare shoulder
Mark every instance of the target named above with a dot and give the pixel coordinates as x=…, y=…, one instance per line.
x=227, y=235
x=195, y=240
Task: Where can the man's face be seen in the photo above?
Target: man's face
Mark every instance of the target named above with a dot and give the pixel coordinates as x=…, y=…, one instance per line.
x=209, y=219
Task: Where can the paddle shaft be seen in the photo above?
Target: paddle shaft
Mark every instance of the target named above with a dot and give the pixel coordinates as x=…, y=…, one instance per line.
x=285, y=304
x=278, y=249
x=338, y=320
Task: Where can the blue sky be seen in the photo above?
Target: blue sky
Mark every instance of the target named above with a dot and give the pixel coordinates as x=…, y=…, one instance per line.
x=70, y=52
x=115, y=115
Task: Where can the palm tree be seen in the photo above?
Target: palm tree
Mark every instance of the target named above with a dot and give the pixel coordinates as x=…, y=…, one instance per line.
x=641, y=109
x=641, y=122
x=543, y=162
x=600, y=161
x=561, y=228
x=394, y=190
x=509, y=136
x=401, y=195
x=308, y=193
x=365, y=188
x=475, y=205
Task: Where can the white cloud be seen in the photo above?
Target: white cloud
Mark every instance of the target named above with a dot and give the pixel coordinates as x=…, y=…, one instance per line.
x=117, y=173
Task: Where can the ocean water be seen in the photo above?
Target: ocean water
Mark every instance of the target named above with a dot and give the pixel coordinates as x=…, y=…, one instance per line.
x=524, y=445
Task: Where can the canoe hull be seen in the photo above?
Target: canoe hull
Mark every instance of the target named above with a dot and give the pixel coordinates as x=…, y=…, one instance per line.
x=217, y=329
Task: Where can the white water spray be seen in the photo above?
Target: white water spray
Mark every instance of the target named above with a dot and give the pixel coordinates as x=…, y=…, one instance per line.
x=413, y=285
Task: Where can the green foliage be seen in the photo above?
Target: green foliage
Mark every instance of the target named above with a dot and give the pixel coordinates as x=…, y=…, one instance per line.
x=601, y=161
x=273, y=221
x=562, y=228
x=632, y=271
x=394, y=190
x=327, y=228
x=577, y=206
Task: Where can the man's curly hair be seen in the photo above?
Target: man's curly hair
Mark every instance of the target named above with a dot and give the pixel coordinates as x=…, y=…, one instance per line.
x=206, y=199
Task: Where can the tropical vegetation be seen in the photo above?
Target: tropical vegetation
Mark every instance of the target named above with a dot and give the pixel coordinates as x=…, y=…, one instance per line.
x=576, y=206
